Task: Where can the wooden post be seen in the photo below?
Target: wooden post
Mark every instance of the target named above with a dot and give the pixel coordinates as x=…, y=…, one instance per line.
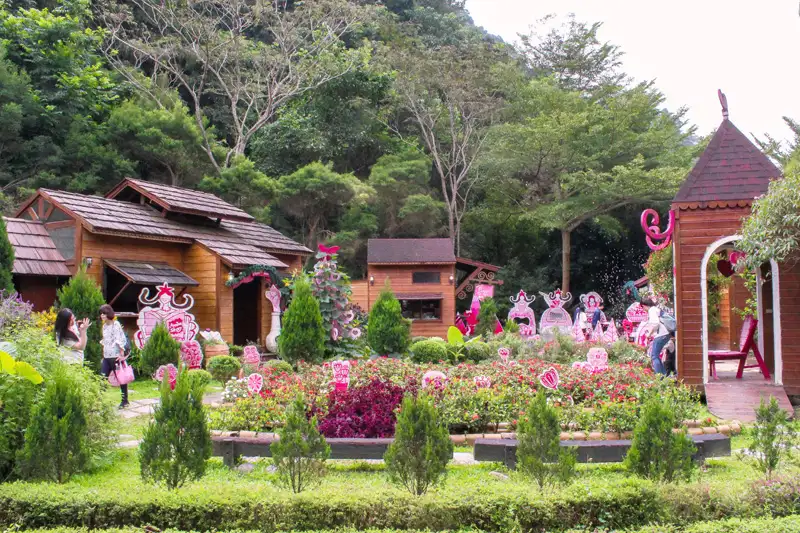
x=229, y=453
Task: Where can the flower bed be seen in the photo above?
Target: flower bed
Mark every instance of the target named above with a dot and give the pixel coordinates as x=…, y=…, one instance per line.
x=474, y=399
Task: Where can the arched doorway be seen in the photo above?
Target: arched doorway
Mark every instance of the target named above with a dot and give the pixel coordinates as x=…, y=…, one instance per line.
x=769, y=331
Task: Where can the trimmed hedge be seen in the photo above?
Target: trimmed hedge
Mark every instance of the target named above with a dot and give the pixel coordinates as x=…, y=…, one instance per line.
x=790, y=524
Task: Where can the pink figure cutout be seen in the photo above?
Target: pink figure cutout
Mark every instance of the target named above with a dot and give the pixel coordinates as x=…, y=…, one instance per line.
x=591, y=302
x=597, y=359
x=255, y=382
x=556, y=316
x=181, y=324
x=341, y=374
x=652, y=231
x=523, y=311
x=192, y=354
x=549, y=379
x=251, y=355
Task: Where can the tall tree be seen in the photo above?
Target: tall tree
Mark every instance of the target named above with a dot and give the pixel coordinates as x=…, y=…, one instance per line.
x=6, y=259
x=249, y=58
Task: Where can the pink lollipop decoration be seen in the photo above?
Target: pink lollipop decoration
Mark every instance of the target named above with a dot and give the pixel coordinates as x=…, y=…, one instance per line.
x=255, y=382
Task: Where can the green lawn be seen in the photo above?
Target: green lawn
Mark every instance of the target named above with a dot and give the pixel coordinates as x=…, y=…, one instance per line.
x=145, y=389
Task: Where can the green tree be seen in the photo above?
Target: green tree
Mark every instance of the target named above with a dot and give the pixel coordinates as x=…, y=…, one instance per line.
x=56, y=438
x=302, y=337
x=387, y=331
x=772, y=438
x=82, y=295
x=242, y=184
x=540, y=455
x=160, y=349
x=6, y=259
x=417, y=458
x=301, y=452
x=487, y=319
x=656, y=451
x=177, y=443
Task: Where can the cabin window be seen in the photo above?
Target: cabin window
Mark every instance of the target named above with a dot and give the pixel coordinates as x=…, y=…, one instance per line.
x=426, y=277
x=58, y=216
x=64, y=239
x=422, y=309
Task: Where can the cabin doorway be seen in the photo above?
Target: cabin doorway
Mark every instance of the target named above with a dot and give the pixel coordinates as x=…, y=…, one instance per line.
x=724, y=298
x=246, y=313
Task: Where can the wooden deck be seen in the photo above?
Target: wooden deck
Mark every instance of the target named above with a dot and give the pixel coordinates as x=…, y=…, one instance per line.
x=736, y=399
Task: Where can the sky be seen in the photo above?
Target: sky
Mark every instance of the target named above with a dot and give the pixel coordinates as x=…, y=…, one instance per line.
x=690, y=48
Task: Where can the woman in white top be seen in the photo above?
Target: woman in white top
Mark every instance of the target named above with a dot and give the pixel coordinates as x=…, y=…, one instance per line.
x=114, y=343
x=658, y=337
x=71, y=336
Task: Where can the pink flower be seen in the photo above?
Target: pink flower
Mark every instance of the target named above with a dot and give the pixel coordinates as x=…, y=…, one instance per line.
x=355, y=333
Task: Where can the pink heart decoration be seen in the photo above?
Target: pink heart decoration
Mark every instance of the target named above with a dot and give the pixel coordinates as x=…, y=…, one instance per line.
x=549, y=379
x=504, y=354
x=725, y=267
x=255, y=382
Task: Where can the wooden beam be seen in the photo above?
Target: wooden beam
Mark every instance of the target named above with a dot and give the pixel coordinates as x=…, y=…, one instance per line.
x=114, y=299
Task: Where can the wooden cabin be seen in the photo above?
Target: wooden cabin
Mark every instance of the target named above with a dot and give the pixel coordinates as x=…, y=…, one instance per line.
x=142, y=234
x=710, y=207
x=426, y=276
x=39, y=268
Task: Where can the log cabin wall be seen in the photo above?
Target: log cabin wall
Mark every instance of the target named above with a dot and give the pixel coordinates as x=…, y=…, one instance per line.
x=790, y=324
x=39, y=291
x=400, y=280
x=224, y=302
x=695, y=231
x=720, y=338
x=201, y=265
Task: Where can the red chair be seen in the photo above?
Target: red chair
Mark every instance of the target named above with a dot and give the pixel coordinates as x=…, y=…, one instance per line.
x=746, y=343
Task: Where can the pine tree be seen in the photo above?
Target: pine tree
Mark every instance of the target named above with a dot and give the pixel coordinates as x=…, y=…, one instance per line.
x=387, y=331
x=160, y=349
x=177, y=443
x=6, y=259
x=303, y=335
x=539, y=452
x=56, y=438
x=487, y=319
x=82, y=295
x=301, y=452
x=418, y=457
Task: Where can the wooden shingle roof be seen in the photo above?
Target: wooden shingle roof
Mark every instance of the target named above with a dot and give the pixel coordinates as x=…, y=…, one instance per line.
x=35, y=252
x=731, y=170
x=180, y=200
x=265, y=237
x=399, y=251
x=114, y=217
x=151, y=273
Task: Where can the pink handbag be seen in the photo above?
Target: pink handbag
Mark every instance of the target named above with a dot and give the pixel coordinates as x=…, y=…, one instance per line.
x=121, y=375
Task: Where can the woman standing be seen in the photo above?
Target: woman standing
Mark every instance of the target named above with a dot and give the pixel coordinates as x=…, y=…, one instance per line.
x=71, y=336
x=113, y=347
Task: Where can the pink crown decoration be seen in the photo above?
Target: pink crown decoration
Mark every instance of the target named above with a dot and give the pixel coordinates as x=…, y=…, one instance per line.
x=650, y=224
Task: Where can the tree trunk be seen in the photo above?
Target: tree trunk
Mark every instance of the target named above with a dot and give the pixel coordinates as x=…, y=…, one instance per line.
x=566, y=258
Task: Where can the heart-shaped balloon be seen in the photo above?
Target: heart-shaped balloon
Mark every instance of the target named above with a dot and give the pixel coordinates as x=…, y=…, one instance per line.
x=725, y=268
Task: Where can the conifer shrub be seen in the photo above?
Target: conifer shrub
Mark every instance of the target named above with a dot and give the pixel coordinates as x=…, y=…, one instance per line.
x=657, y=452
x=223, y=367
x=540, y=455
x=772, y=437
x=202, y=377
x=56, y=444
x=387, y=331
x=278, y=366
x=417, y=458
x=160, y=349
x=301, y=452
x=6, y=259
x=302, y=337
x=429, y=351
x=83, y=296
x=487, y=319
x=177, y=443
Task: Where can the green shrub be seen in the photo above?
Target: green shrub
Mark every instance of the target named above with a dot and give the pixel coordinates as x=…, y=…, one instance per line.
x=656, y=452
x=772, y=436
x=177, y=443
x=520, y=348
x=279, y=366
x=56, y=438
x=301, y=452
x=387, y=331
x=428, y=351
x=487, y=319
x=160, y=349
x=6, y=259
x=511, y=327
x=303, y=335
x=249, y=414
x=417, y=458
x=201, y=377
x=223, y=367
x=540, y=455
x=477, y=351
x=83, y=296
x=16, y=397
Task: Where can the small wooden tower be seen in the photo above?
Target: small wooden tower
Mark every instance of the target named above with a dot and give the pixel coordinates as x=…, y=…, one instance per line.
x=709, y=209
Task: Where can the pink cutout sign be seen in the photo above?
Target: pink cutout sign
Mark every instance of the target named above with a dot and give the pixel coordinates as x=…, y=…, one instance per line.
x=192, y=354
x=251, y=355
x=523, y=311
x=341, y=374
x=597, y=359
x=549, y=379
x=255, y=382
x=556, y=316
x=181, y=324
x=171, y=371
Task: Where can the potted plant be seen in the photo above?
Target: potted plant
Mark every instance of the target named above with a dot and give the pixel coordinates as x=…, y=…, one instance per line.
x=213, y=344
